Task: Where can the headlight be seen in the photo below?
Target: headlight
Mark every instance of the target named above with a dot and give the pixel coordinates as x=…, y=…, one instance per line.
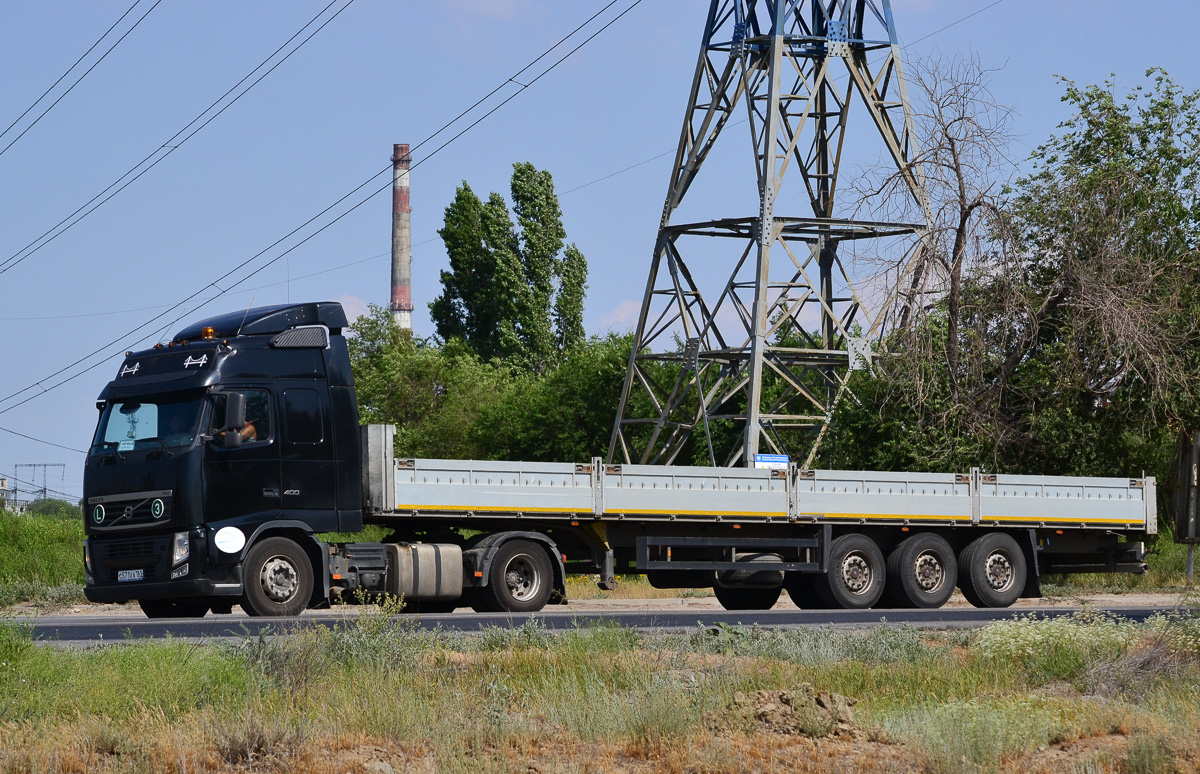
x=182, y=548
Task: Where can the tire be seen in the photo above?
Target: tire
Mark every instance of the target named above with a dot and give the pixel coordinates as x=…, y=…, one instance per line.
x=519, y=580
x=802, y=588
x=747, y=597
x=992, y=571
x=921, y=572
x=278, y=579
x=856, y=574
x=189, y=607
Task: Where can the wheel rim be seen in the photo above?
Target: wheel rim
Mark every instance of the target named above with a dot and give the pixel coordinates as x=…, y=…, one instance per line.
x=999, y=571
x=279, y=579
x=856, y=572
x=522, y=578
x=929, y=572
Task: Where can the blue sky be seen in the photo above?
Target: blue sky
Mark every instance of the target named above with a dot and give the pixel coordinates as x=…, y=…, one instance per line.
x=325, y=120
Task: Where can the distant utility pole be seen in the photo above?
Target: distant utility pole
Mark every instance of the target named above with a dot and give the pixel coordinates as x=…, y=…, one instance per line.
x=44, y=466
x=402, y=305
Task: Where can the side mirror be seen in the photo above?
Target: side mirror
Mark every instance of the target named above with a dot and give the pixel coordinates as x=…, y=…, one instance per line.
x=235, y=411
x=233, y=439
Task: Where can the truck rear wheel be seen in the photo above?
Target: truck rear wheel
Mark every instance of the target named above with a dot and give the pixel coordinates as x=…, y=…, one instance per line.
x=856, y=574
x=189, y=607
x=519, y=580
x=921, y=572
x=747, y=597
x=278, y=578
x=992, y=571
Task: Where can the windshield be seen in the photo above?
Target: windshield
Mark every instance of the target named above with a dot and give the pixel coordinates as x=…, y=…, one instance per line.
x=147, y=424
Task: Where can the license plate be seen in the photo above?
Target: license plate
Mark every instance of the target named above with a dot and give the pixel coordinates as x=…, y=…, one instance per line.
x=130, y=575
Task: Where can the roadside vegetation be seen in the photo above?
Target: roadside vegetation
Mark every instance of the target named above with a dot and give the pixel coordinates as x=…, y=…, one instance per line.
x=1088, y=693
x=41, y=556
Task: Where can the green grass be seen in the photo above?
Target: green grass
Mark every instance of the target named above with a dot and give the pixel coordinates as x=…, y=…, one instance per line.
x=1166, y=573
x=41, y=559
x=602, y=696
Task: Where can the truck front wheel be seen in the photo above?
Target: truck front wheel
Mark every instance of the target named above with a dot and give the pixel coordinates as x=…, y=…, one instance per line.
x=189, y=607
x=278, y=578
x=519, y=580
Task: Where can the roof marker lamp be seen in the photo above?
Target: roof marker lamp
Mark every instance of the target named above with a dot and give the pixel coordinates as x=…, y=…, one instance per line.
x=208, y=332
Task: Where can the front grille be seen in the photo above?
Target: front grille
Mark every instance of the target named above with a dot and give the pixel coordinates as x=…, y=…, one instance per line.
x=129, y=549
x=124, y=513
x=150, y=555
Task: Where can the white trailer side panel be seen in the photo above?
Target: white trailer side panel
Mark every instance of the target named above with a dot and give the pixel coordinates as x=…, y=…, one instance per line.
x=462, y=486
x=651, y=492
x=658, y=491
x=1031, y=501
x=870, y=496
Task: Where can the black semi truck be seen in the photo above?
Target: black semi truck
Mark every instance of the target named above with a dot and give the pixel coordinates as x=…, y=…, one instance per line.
x=221, y=457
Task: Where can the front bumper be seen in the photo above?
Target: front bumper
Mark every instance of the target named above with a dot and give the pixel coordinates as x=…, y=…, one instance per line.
x=112, y=558
x=192, y=587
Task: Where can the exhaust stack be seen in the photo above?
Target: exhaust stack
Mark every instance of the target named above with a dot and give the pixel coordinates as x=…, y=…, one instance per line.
x=401, y=306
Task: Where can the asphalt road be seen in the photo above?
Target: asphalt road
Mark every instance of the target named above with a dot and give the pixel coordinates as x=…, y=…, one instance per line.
x=83, y=630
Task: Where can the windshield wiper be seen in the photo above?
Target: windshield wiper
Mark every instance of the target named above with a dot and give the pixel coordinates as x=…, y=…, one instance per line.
x=161, y=443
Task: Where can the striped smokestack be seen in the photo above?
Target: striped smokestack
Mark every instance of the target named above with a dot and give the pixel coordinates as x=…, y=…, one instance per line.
x=402, y=305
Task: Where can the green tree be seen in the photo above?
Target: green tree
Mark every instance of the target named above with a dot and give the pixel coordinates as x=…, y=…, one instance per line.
x=512, y=291
x=1079, y=336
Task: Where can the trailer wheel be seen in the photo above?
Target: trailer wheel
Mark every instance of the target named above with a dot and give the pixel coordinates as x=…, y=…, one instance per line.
x=802, y=588
x=190, y=607
x=921, y=572
x=856, y=574
x=992, y=571
x=747, y=597
x=519, y=580
x=278, y=578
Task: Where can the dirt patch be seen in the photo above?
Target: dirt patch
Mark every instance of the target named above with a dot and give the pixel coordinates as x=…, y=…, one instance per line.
x=798, y=711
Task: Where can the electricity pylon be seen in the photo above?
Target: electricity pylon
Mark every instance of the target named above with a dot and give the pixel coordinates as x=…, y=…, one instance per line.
x=762, y=366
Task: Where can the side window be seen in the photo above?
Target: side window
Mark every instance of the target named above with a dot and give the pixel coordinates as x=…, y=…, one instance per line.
x=302, y=416
x=258, y=416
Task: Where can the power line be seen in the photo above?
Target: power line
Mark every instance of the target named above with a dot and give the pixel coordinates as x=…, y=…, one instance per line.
x=35, y=487
x=17, y=120
x=39, y=440
x=222, y=291
x=80, y=78
x=953, y=23
x=168, y=147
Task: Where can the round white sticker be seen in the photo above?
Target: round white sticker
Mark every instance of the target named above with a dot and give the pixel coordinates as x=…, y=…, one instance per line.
x=230, y=539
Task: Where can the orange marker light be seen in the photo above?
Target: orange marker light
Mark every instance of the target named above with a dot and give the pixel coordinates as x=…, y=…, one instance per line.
x=337, y=576
x=478, y=574
x=208, y=332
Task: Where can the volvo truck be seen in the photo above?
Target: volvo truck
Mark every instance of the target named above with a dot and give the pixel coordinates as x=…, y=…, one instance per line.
x=223, y=458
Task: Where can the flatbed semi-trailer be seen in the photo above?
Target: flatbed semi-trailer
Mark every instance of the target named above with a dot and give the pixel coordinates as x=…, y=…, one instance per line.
x=220, y=458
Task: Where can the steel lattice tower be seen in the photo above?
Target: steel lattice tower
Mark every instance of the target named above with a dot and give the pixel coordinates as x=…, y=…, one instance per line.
x=762, y=365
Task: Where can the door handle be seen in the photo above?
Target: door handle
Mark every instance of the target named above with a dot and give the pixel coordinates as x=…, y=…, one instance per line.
x=271, y=493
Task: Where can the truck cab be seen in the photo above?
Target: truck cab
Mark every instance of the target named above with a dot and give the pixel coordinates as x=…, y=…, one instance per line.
x=241, y=428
